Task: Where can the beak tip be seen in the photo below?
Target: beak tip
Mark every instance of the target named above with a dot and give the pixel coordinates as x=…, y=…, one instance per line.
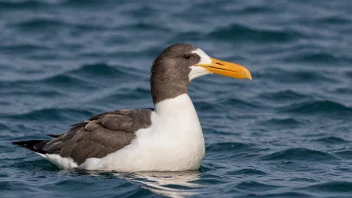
x=247, y=74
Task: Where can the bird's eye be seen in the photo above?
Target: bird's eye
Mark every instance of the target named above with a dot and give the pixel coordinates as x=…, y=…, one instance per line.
x=187, y=56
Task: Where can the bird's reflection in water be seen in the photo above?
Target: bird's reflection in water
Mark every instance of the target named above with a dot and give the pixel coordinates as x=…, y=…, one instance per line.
x=171, y=184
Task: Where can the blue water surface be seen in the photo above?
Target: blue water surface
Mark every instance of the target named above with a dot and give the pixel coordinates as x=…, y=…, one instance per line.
x=286, y=133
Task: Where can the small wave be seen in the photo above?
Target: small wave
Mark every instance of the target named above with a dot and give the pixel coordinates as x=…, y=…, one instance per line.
x=234, y=150
x=14, y=186
x=318, y=107
x=73, y=183
x=257, y=9
x=90, y=3
x=247, y=171
x=286, y=122
x=285, y=95
x=284, y=194
x=124, y=96
x=190, y=36
x=137, y=93
x=103, y=70
x=38, y=93
x=80, y=77
x=211, y=180
x=347, y=91
x=40, y=23
x=238, y=103
x=103, y=74
x=230, y=146
x=238, y=32
x=333, y=20
x=299, y=154
x=6, y=5
x=303, y=179
x=23, y=48
x=346, y=154
x=4, y=103
x=4, y=127
x=97, y=69
x=255, y=186
x=141, y=26
x=334, y=186
x=321, y=58
x=295, y=77
x=52, y=114
x=39, y=164
x=205, y=106
x=349, y=74
x=63, y=81
x=54, y=86
x=49, y=24
x=331, y=140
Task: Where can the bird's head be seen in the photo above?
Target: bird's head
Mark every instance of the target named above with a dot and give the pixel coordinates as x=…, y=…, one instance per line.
x=178, y=64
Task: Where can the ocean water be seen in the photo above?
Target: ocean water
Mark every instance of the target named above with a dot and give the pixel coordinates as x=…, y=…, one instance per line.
x=286, y=133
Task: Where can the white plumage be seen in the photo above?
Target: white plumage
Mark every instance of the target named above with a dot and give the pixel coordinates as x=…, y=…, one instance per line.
x=173, y=142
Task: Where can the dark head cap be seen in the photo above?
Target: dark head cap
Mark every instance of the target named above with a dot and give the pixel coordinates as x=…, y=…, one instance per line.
x=178, y=64
x=170, y=71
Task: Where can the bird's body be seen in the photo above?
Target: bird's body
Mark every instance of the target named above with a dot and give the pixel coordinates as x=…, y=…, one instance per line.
x=170, y=138
x=180, y=147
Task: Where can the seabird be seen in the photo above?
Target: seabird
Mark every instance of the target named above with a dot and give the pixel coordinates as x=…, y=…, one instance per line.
x=168, y=138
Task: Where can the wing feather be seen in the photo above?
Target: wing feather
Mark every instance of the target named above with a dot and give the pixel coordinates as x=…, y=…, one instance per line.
x=100, y=135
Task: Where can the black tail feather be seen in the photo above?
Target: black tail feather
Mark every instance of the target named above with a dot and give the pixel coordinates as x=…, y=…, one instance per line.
x=33, y=145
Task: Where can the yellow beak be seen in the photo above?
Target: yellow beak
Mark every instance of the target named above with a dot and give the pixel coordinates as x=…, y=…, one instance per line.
x=227, y=69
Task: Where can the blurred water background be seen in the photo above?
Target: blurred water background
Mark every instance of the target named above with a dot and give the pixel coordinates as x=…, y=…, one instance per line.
x=286, y=133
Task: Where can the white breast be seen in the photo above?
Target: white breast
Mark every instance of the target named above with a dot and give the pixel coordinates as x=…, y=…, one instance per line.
x=173, y=142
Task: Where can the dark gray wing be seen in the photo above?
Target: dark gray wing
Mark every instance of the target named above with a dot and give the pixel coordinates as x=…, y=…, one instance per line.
x=100, y=135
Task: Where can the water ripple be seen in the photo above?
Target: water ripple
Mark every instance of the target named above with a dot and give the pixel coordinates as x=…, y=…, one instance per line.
x=252, y=186
x=50, y=114
x=319, y=58
x=236, y=32
x=302, y=154
x=40, y=24
x=6, y=5
x=285, y=95
x=318, y=107
x=346, y=154
x=332, y=187
x=283, y=122
x=297, y=77
x=331, y=140
x=230, y=146
x=247, y=171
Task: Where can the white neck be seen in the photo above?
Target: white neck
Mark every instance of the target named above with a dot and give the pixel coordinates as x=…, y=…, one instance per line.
x=179, y=104
x=179, y=113
x=176, y=123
